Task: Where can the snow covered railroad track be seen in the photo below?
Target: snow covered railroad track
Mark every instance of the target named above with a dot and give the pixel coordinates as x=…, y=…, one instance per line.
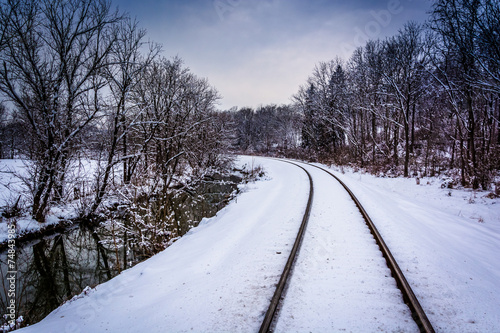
x=221, y=275
x=316, y=288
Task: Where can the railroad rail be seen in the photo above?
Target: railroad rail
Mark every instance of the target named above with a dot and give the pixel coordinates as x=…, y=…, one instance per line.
x=409, y=297
x=273, y=307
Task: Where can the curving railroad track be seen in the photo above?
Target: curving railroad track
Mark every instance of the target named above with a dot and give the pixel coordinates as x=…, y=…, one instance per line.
x=272, y=315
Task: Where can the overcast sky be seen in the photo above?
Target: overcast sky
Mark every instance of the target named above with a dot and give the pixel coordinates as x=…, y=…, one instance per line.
x=257, y=52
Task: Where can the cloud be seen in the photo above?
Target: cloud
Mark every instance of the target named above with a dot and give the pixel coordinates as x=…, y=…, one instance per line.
x=260, y=51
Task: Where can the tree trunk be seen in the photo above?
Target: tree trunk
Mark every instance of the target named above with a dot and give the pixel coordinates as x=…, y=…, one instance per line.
x=407, y=149
x=412, y=143
x=395, y=146
x=471, y=140
x=374, y=134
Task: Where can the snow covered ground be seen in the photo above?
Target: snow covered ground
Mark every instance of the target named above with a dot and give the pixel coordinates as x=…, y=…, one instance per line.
x=13, y=188
x=216, y=278
x=220, y=276
x=447, y=242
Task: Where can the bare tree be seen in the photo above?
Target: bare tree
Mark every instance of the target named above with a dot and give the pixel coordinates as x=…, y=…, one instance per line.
x=430, y=92
x=176, y=105
x=406, y=62
x=489, y=44
x=50, y=67
x=366, y=70
x=245, y=128
x=126, y=65
x=458, y=24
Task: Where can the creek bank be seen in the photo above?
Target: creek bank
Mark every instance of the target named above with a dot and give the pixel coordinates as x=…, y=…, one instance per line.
x=59, y=261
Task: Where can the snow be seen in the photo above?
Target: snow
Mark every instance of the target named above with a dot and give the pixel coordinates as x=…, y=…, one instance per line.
x=447, y=246
x=220, y=276
x=12, y=187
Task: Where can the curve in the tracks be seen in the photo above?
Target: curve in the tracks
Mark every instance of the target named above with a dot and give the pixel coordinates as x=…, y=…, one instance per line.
x=409, y=297
x=273, y=306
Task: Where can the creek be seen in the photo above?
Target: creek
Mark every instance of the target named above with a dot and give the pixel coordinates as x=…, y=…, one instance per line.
x=53, y=269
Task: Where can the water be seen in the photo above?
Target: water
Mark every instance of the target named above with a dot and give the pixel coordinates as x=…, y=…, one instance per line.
x=53, y=269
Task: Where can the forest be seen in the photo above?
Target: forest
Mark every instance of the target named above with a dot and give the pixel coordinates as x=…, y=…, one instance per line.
x=421, y=103
x=81, y=82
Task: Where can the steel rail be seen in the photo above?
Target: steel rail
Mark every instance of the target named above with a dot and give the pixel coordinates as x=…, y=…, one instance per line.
x=273, y=307
x=409, y=297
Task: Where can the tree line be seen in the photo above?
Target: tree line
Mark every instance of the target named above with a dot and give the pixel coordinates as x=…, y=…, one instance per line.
x=79, y=80
x=82, y=81
x=418, y=103
x=268, y=129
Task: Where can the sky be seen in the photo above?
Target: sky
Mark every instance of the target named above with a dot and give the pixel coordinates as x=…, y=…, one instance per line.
x=259, y=52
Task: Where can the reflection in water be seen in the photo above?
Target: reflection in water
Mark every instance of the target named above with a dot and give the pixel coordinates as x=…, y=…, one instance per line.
x=54, y=269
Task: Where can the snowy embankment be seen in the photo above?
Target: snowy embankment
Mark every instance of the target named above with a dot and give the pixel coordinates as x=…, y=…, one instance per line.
x=447, y=242
x=220, y=276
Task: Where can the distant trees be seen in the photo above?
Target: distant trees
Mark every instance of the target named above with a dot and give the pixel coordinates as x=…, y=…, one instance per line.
x=12, y=138
x=326, y=111
x=269, y=129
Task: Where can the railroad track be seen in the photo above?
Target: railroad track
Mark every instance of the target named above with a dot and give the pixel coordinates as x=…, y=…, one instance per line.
x=409, y=297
